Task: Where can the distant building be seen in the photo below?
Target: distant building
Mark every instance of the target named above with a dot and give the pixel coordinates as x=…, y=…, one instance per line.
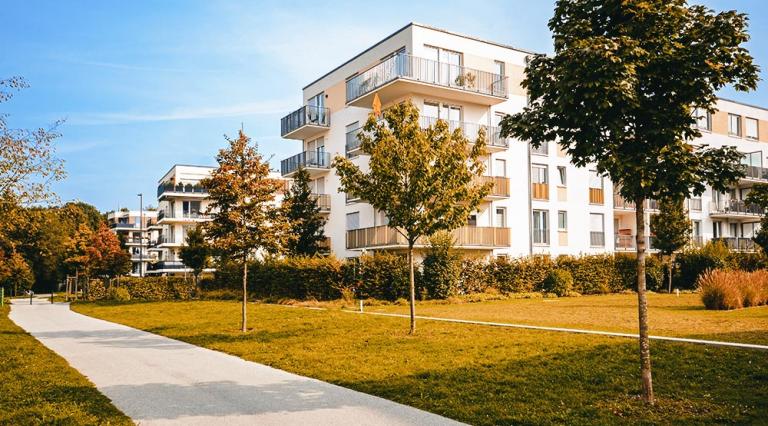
x=135, y=236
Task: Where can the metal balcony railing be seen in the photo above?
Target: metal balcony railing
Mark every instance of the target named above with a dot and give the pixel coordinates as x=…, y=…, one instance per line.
x=307, y=159
x=180, y=188
x=323, y=201
x=424, y=70
x=306, y=115
x=739, y=207
x=167, y=265
x=470, y=130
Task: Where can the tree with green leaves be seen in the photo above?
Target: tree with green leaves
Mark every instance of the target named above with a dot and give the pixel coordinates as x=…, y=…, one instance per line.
x=15, y=273
x=302, y=211
x=758, y=196
x=196, y=254
x=672, y=232
x=441, y=268
x=245, y=217
x=424, y=180
x=621, y=91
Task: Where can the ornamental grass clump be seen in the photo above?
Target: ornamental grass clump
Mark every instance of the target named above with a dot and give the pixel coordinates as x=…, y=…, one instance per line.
x=722, y=289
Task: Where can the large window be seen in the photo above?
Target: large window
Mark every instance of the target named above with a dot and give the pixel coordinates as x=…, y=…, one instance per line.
x=540, y=227
x=500, y=219
x=353, y=221
x=595, y=180
x=562, y=176
x=703, y=119
x=500, y=167
x=734, y=124
x=596, y=230
x=539, y=174
x=447, y=112
x=751, y=128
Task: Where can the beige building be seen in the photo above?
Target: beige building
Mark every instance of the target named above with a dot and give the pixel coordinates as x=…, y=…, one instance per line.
x=133, y=228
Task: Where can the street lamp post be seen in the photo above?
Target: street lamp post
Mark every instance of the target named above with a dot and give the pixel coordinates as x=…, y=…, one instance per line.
x=141, y=234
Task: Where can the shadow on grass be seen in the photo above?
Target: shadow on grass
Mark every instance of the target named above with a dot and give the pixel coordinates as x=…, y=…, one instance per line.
x=595, y=386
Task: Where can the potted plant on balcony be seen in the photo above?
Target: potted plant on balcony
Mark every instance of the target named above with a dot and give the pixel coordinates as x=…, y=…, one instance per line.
x=466, y=80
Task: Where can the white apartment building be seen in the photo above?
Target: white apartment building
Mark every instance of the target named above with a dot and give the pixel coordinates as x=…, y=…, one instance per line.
x=136, y=235
x=182, y=205
x=541, y=204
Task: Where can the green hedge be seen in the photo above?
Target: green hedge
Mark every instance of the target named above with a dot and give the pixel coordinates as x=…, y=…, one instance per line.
x=146, y=288
x=690, y=264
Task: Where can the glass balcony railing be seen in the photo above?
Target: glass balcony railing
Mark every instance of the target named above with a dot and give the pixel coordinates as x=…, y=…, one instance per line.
x=405, y=66
x=308, y=115
x=493, y=137
x=169, y=214
x=755, y=172
x=180, y=188
x=307, y=159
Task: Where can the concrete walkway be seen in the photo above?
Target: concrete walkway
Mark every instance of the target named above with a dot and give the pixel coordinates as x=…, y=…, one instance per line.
x=157, y=380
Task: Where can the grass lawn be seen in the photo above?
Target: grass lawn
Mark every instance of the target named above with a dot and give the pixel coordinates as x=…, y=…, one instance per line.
x=669, y=315
x=39, y=387
x=475, y=374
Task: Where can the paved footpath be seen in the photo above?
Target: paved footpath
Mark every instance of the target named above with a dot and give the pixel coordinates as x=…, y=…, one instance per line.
x=157, y=380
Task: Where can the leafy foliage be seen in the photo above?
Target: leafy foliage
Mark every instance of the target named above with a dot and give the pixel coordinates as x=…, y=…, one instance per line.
x=620, y=93
x=441, y=269
x=671, y=227
x=196, y=254
x=301, y=209
x=559, y=282
x=424, y=180
x=758, y=196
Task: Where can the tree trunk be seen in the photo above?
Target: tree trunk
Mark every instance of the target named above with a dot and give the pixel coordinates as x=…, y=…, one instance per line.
x=670, y=270
x=245, y=291
x=642, y=303
x=412, y=288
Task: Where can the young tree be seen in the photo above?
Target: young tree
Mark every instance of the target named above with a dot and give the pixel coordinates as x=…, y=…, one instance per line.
x=423, y=179
x=303, y=213
x=15, y=273
x=758, y=196
x=110, y=259
x=245, y=216
x=196, y=253
x=621, y=90
x=672, y=231
x=80, y=255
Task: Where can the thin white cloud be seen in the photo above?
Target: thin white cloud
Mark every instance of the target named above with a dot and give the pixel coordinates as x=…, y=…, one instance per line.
x=69, y=147
x=238, y=110
x=131, y=67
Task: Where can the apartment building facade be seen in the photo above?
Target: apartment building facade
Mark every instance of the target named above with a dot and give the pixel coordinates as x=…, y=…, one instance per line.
x=541, y=204
x=133, y=229
x=182, y=205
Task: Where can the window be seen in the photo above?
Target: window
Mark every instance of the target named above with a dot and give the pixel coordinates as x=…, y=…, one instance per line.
x=562, y=221
x=353, y=221
x=734, y=124
x=446, y=67
x=696, y=204
x=500, y=167
x=316, y=109
x=472, y=220
x=562, y=176
x=751, y=128
x=696, y=228
x=499, y=68
x=596, y=230
x=703, y=119
x=500, y=219
x=191, y=208
x=717, y=229
x=540, y=227
x=543, y=149
x=434, y=110
x=595, y=180
x=352, y=142
x=539, y=174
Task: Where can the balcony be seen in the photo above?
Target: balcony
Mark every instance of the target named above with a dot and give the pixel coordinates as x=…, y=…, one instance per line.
x=181, y=190
x=500, y=187
x=735, y=209
x=124, y=226
x=404, y=74
x=171, y=266
x=619, y=203
x=754, y=174
x=493, y=140
x=167, y=241
x=737, y=243
x=313, y=161
x=467, y=237
x=624, y=242
x=166, y=216
x=323, y=201
x=540, y=191
x=306, y=122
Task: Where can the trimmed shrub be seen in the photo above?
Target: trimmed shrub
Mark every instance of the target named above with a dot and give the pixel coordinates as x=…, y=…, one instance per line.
x=723, y=289
x=591, y=274
x=441, y=269
x=474, y=277
x=96, y=290
x=521, y=275
x=118, y=294
x=317, y=278
x=559, y=282
x=692, y=263
x=625, y=273
x=384, y=276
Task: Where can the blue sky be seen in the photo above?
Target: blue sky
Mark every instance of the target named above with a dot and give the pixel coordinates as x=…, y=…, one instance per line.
x=144, y=85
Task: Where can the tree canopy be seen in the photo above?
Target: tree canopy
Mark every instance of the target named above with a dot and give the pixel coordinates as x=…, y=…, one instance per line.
x=300, y=207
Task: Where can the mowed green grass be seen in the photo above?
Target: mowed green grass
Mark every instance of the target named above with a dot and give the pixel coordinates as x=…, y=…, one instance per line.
x=39, y=387
x=475, y=374
x=669, y=315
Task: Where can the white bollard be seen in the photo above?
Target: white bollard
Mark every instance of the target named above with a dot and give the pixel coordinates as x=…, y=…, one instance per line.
x=677, y=292
x=361, y=305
